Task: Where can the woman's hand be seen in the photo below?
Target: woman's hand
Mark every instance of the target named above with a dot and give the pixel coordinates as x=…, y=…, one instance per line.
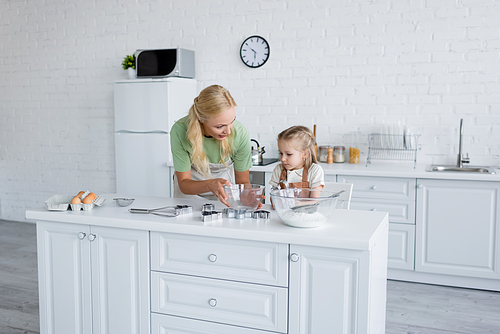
x=216, y=186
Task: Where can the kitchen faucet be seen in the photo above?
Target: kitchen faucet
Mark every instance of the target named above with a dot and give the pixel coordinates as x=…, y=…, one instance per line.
x=460, y=159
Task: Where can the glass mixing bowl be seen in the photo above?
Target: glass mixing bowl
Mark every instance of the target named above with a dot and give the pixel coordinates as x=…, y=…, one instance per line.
x=244, y=196
x=304, y=207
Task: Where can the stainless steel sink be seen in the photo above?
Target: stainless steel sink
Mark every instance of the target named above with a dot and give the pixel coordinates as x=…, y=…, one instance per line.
x=467, y=169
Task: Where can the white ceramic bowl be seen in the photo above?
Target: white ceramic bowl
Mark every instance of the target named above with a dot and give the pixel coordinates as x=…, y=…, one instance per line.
x=244, y=196
x=304, y=207
x=122, y=201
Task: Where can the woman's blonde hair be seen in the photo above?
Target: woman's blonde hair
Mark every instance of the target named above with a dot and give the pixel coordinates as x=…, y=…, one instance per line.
x=302, y=139
x=211, y=102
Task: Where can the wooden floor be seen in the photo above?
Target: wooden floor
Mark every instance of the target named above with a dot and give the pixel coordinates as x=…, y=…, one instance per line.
x=411, y=308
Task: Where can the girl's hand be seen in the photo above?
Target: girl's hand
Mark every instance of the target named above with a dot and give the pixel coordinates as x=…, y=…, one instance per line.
x=216, y=186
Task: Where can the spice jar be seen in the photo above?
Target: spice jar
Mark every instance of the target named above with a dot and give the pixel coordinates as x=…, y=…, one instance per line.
x=338, y=154
x=323, y=153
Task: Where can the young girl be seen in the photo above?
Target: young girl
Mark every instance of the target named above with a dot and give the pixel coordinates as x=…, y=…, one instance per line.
x=299, y=166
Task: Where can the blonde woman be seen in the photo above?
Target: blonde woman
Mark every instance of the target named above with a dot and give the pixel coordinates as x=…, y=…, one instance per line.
x=210, y=148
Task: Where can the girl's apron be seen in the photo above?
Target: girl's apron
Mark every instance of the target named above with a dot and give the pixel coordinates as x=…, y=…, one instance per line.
x=298, y=185
x=216, y=170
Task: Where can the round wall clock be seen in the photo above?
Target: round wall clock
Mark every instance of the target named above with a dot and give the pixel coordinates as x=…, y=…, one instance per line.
x=254, y=51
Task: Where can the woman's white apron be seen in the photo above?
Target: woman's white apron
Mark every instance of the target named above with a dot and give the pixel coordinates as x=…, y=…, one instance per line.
x=216, y=170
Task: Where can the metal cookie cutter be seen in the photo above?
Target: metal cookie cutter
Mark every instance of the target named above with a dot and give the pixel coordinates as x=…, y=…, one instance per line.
x=240, y=214
x=167, y=211
x=185, y=208
x=208, y=207
x=261, y=214
x=228, y=212
x=206, y=216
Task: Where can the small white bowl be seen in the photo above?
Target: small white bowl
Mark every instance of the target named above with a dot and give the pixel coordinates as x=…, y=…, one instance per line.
x=122, y=201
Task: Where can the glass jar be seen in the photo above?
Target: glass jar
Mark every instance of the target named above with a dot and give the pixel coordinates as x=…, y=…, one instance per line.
x=338, y=154
x=323, y=153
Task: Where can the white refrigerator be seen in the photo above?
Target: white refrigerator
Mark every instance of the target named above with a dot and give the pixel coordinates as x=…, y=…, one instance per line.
x=145, y=110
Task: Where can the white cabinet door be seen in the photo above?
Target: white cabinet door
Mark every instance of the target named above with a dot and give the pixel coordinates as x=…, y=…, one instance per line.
x=64, y=278
x=324, y=291
x=458, y=228
x=401, y=252
x=92, y=280
x=120, y=281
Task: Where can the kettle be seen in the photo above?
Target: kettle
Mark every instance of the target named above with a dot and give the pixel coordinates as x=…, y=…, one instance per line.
x=257, y=153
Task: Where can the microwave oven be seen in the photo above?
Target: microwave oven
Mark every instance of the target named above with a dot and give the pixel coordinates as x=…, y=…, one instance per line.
x=165, y=63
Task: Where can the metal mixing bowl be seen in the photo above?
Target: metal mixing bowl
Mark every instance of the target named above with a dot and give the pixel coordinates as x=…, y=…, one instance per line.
x=122, y=201
x=304, y=207
x=244, y=196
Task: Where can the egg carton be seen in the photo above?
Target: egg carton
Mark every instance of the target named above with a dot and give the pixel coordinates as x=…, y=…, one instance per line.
x=63, y=203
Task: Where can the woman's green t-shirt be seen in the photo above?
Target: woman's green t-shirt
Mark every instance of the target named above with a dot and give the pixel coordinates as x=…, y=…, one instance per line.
x=181, y=148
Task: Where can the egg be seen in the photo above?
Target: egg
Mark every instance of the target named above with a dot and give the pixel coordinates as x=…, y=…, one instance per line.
x=89, y=198
x=80, y=193
x=76, y=200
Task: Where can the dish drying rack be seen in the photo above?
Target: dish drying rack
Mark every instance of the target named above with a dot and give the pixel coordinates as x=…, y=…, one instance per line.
x=392, y=147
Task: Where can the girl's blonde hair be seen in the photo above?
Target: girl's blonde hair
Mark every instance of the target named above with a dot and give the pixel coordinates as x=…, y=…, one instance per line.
x=302, y=139
x=211, y=102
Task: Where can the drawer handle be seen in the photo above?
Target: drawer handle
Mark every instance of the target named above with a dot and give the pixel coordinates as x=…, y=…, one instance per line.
x=374, y=209
x=213, y=302
x=374, y=187
x=212, y=257
x=81, y=235
x=294, y=257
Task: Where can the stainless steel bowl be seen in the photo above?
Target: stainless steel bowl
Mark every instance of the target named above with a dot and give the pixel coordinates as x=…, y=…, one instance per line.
x=123, y=201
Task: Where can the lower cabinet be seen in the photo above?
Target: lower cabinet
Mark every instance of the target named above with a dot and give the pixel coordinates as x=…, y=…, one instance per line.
x=458, y=228
x=92, y=279
x=401, y=253
x=224, y=286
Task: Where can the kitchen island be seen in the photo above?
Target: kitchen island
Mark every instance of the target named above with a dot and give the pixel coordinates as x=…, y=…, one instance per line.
x=111, y=271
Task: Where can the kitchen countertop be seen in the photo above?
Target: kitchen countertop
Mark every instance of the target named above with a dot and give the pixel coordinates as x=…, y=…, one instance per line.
x=393, y=169
x=348, y=229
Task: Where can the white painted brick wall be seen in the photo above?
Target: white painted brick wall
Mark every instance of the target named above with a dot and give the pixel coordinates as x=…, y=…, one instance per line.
x=344, y=65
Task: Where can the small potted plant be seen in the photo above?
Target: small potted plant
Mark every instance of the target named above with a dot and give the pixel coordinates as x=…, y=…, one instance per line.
x=128, y=64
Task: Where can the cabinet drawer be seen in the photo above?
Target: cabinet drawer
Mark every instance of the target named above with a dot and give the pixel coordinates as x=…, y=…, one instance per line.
x=235, y=303
x=403, y=212
x=381, y=187
x=401, y=246
x=239, y=260
x=162, y=324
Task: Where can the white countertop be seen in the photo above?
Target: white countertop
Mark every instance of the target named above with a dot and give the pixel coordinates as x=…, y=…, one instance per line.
x=348, y=229
x=392, y=169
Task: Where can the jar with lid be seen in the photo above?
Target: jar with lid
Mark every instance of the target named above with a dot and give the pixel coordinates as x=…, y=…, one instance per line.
x=323, y=153
x=338, y=154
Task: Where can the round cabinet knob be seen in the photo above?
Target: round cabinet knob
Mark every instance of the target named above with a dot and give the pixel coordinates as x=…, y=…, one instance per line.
x=294, y=257
x=374, y=187
x=81, y=235
x=212, y=302
x=212, y=257
x=374, y=209
x=91, y=237
x=420, y=186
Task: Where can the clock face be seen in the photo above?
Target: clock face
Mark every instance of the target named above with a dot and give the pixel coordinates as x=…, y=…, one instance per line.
x=254, y=51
